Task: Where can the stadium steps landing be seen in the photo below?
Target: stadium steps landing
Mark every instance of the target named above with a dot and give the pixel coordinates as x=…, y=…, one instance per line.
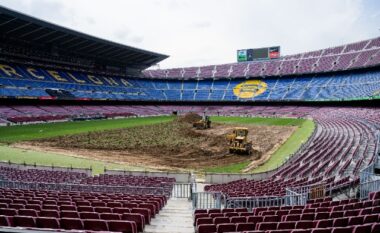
x=175, y=217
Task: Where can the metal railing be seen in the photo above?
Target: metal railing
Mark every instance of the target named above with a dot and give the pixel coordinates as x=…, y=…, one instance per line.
x=25, y=166
x=266, y=201
x=182, y=190
x=369, y=181
x=313, y=191
x=85, y=188
x=207, y=200
x=367, y=187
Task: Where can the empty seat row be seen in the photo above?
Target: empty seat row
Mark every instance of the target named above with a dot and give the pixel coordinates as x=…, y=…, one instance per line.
x=300, y=227
x=284, y=215
x=336, y=222
x=70, y=224
x=84, y=215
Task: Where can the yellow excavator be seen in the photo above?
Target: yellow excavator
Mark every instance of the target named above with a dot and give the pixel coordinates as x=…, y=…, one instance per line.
x=204, y=123
x=238, y=141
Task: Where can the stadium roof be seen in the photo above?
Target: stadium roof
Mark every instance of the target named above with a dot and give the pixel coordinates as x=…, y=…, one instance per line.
x=20, y=26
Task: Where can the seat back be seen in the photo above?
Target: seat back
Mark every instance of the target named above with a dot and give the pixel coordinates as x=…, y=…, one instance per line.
x=122, y=226
x=24, y=221
x=71, y=224
x=226, y=227
x=110, y=216
x=207, y=228
x=46, y=222
x=95, y=225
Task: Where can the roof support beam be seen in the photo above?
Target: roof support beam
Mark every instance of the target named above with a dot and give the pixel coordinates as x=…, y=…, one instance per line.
x=117, y=53
x=44, y=35
x=110, y=51
x=6, y=22
x=70, y=40
x=18, y=28
x=94, y=49
x=58, y=37
x=31, y=32
x=87, y=46
x=78, y=44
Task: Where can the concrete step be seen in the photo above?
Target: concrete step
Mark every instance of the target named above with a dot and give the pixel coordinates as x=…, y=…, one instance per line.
x=175, y=217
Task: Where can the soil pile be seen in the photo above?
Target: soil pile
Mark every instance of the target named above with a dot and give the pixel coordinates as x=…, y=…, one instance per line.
x=189, y=118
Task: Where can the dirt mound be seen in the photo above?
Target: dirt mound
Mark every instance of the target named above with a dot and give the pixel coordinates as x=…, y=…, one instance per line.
x=189, y=118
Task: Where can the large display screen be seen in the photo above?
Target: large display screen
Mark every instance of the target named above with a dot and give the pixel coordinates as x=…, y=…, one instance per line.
x=244, y=55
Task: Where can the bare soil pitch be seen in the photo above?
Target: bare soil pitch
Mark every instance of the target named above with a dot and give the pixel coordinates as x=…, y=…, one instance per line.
x=166, y=146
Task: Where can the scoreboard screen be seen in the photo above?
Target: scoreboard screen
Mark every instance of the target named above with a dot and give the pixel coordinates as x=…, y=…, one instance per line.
x=244, y=55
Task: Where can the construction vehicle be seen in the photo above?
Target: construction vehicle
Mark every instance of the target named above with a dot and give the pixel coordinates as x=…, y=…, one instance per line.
x=238, y=141
x=203, y=123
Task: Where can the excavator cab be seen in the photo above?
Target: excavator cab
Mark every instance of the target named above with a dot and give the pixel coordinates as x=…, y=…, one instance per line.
x=204, y=123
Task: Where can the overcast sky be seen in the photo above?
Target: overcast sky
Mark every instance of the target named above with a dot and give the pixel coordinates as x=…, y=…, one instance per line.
x=202, y=32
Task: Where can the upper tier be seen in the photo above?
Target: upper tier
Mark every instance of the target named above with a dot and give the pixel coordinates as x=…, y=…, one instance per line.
x=345, y=57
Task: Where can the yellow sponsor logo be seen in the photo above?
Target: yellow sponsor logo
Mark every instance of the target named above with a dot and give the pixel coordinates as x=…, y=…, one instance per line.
x=249, y=89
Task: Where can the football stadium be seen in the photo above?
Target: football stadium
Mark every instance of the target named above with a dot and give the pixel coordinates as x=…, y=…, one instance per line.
x=95, y=137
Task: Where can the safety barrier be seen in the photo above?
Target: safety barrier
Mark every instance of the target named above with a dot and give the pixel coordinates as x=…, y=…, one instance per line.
x=181, y=190
x=207, y=200
x=369, y=186
x=313, y=191
x=25, y=166
x=369, y=181
x=266, y=201
x=85, y=188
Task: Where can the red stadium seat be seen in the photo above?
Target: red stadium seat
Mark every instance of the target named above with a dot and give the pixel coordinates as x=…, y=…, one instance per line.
x=24, y=221
x=95, y=225
x=366, y=228
x=135, y=217
x=4, y=221
x=348, y=229
x=71, y=223
x=207, y=228
x=220, y=220
x=263, y=226
x=286, y=225
x=238, y=219
x=245, y=226
x=122, y=226
x=89, y=215
x=201, y=221
x=226, y=227
x=28, y=212
x=110, y=216
x=46, y=222
x=49, y=213
x=69, y=214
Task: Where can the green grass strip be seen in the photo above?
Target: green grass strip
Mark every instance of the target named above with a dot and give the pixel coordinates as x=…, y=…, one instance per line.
x=37, y=131
x=16, y=155
x=259, y=121
x=294, y=142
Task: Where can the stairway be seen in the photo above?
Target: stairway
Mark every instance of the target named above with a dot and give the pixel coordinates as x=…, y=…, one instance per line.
x=175, y=217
